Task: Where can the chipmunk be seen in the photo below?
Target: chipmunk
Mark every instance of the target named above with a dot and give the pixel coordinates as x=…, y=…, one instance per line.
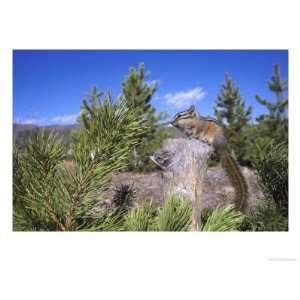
x=211, y=132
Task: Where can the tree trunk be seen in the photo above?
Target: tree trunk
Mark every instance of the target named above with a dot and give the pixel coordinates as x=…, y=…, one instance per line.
x=184, y=163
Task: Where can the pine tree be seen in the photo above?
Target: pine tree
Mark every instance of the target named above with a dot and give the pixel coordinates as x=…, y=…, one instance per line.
x=138, y=93
x=230, y=110
x=89, y=105
x=50, y=196
x=275, y=124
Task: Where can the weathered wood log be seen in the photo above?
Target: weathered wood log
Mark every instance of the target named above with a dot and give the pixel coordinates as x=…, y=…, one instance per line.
x=184, y=164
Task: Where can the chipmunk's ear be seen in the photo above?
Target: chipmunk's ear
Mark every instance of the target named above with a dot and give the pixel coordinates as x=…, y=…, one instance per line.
x=192, y=108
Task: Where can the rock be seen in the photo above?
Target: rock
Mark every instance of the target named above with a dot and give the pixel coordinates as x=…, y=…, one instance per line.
x=217, y=189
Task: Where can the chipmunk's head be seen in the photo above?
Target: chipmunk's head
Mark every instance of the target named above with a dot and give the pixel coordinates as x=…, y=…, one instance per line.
x=183, y=119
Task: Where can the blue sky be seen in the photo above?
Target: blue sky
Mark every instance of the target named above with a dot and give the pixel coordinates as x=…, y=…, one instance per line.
x=49, y=85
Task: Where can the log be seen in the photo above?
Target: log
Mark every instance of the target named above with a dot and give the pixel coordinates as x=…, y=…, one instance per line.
x=184, y=164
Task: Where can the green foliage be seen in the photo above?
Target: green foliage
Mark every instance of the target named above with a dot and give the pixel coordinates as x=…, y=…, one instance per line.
x=18, y=186
x=20, y=215
x=230, y=110
x=111, y=220
x=139, y=93
x=175, y=215
x=36, y=203
x=267, y=149
x=277, y=109
x=89, y=106
x=141, y=219
x=271, y=164
x=265, y=217
x=223, y=219
x=272, y=128
x=274, y=125
x=110, y=127
x=56, y=198
x=23, y=132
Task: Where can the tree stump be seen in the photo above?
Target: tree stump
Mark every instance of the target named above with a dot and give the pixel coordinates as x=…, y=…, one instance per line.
x=184, y=163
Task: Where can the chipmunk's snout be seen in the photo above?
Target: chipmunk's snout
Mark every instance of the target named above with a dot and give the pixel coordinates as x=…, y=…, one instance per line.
x=174, y=120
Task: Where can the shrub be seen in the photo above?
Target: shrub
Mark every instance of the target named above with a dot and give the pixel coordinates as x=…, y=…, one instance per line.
x=141, y=219
x=175, y=215
x=223, y=219
x=51, y=197
x=271, y=164
x=265, y=217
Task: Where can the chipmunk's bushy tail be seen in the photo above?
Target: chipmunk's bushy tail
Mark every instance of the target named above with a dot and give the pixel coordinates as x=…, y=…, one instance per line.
x=236, y=177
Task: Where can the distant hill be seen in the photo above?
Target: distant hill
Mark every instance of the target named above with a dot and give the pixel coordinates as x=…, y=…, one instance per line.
x=22, y=132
